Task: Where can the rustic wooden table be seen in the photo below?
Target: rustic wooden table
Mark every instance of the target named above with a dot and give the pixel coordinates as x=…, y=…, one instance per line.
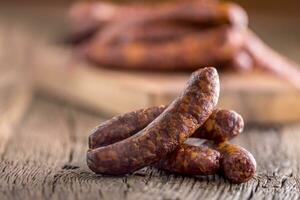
x=43, y=143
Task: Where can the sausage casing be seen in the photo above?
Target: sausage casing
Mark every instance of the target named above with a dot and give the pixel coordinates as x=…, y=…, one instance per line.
x=236, y=164
x=166, y=133
x=191, y=160
x=209, y=47
x=221, y=125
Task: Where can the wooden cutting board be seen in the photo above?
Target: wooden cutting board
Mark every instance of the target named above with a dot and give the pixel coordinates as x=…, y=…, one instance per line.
x=258, y=97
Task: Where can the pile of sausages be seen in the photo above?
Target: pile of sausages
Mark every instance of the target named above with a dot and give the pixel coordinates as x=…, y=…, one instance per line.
x=182, y=35
x=161, y=136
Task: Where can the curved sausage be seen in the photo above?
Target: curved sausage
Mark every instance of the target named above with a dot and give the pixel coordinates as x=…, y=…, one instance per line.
x=235, y=163
x=187, y=159
x=162, y=136
x=221, y=125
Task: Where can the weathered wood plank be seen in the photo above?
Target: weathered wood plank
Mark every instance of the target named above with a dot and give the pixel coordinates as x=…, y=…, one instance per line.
x=34, y=151
x=38, y=158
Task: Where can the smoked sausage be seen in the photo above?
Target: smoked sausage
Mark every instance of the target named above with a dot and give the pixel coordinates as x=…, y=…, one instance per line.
x=166, y=133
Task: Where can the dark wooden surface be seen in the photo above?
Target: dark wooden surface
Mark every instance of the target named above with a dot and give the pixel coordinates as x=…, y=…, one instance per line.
x=43, y=143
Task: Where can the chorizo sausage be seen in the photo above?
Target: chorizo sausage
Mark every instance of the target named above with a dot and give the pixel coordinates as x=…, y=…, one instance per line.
x=221, y=125
x=209, y=47
x=166, y=133
x=191, y=160
x=89, y=17
x=187, y=159
x=195, y=159
x=200, y=17
x=236, y=164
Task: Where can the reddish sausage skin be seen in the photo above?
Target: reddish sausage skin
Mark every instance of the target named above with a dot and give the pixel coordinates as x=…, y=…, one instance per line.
x=85, y=18
x=187, y=159
x=221, y=125
x=211, y=46
x=191, y=160
x=237, y=164
x=123, y=126
x=168, y=131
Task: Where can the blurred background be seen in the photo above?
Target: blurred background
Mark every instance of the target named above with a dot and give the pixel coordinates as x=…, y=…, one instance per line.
x=32, y=40
x=275, y=21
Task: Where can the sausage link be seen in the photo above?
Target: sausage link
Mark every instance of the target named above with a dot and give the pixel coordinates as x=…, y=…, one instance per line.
x=187, y=159
x=168, y=131
x=236, y=164
x=123, y=126
x=104, y=12
x=191, y=160
x=88, y=17
x=221, y=125
x=190, y=15
x=209, y=47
